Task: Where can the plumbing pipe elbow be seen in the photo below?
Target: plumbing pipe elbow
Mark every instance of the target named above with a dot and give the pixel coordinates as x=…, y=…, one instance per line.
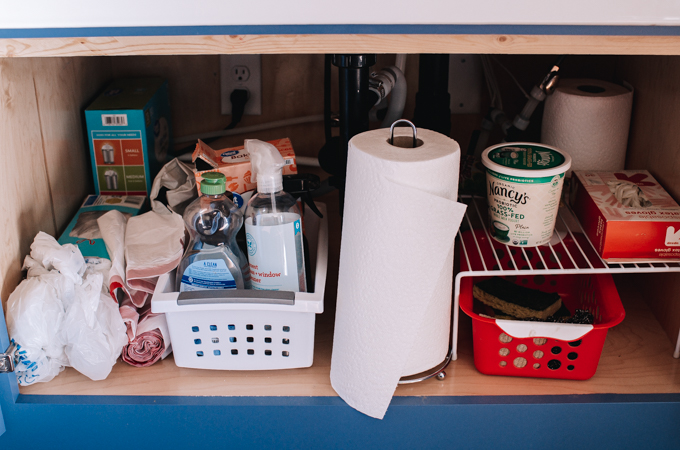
x=395, y=110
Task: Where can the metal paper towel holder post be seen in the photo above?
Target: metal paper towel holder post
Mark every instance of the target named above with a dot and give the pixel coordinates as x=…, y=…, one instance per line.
x=438, y=370
x=402, y=141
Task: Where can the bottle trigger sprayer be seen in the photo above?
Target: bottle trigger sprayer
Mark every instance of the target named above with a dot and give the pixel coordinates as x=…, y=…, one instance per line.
x=273, y=225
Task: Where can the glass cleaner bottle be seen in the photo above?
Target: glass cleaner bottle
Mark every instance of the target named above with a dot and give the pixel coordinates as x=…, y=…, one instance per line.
x=273, y=225
x=213, y=260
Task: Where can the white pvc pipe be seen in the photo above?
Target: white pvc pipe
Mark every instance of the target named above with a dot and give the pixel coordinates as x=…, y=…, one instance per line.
x=397, y=100
x=400, y=62
x=300, y=160
x=250, y=129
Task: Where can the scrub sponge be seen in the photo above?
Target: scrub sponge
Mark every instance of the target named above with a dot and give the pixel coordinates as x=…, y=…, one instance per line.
x=515, y=300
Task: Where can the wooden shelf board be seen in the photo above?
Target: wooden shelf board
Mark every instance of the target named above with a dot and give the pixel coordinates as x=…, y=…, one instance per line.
x=341, y=43
x=637, y=359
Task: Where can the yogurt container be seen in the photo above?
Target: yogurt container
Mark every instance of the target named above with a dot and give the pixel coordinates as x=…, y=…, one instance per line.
x=523, y=186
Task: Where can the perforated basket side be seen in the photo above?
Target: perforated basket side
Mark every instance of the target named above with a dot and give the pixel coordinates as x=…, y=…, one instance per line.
x=499, y=353
x=242, y=340
x=496, y=353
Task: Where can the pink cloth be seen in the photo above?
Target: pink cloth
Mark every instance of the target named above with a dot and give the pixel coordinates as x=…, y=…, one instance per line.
x=154, y=244
x=138, y=298
x=130, y=316
x=112, y=227
x=145, y=279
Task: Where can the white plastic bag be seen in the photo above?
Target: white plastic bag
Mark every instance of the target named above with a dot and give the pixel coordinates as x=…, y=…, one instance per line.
x=67, y=258
x=62, y=314
x=35, y=314
x=180, y=182
x=93, y=330
x=99, y=265
x=33, y=267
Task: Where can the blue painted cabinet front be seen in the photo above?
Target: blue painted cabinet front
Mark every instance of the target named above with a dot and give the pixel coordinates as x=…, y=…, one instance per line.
x=556, y=422
x=6, y=379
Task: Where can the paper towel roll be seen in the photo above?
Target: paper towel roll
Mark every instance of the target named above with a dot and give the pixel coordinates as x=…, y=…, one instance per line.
x=396, y=264
x=589, y=119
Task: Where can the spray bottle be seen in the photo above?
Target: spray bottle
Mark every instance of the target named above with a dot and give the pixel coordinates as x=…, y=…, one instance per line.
x=273, y=225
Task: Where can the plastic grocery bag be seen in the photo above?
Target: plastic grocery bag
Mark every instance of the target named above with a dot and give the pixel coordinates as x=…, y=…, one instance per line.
x=67, y=258
x=62, y=315
x=173, y=188
x=35, y=314
x=99, y=265
x=34, y=268
x=93, y=330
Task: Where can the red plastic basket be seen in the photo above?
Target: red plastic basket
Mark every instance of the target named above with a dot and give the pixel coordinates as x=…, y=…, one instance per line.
x=533, y=349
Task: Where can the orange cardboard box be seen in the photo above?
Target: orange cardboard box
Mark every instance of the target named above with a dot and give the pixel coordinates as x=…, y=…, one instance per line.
x=628, y=216
x=234, y=163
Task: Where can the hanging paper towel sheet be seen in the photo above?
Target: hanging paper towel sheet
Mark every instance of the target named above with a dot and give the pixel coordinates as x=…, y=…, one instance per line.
x=589, y=119
x=396, y=265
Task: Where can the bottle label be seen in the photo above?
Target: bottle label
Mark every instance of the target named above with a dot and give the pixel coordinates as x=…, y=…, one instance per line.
x=275, y=255
x=207, y=274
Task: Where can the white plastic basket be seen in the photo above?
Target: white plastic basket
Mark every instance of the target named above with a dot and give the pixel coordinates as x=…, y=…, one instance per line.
x=247, y=329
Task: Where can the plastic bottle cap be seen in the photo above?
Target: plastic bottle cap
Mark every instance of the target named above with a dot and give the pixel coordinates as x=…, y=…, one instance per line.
x=214, y=183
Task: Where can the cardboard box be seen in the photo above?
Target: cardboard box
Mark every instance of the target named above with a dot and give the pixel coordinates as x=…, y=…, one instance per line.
x=83, y=230
x=234, y=163
x=128, y=129
x=627, y=215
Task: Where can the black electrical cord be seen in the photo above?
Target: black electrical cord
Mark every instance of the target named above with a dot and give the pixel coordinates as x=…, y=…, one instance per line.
x=238, y=98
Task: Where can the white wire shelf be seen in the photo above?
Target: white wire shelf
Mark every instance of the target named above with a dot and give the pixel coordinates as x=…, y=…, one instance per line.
x=568, y=252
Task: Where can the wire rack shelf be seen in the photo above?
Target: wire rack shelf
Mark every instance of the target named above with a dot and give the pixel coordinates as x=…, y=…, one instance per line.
x=568, y=252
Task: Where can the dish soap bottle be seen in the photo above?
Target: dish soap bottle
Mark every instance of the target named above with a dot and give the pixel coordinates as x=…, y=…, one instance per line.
x=213, y=260
x=273, y=225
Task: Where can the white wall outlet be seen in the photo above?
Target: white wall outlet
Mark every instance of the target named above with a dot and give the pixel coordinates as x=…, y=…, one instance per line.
x=466, y=78
x=241, y=72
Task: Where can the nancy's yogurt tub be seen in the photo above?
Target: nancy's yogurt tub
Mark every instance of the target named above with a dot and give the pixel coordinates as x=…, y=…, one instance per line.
x=523, y=188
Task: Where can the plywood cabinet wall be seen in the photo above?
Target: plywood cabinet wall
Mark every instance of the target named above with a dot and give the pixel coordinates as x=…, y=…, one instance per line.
x=654, y=144
x=292, y=87
x=44, y=173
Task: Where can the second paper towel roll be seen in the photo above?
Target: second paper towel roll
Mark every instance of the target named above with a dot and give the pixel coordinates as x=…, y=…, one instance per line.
x=589, y=119
x=396, y=264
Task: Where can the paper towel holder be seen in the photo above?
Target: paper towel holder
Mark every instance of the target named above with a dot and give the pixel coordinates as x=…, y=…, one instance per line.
x=435, y=372
x=402, y=140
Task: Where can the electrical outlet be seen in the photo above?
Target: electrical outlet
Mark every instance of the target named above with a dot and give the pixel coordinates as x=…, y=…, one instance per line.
x=465, y=84
x=241, y=72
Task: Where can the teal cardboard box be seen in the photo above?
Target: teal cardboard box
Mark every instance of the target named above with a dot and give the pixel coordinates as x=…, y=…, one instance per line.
x=128, y=129
x=83, y=229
